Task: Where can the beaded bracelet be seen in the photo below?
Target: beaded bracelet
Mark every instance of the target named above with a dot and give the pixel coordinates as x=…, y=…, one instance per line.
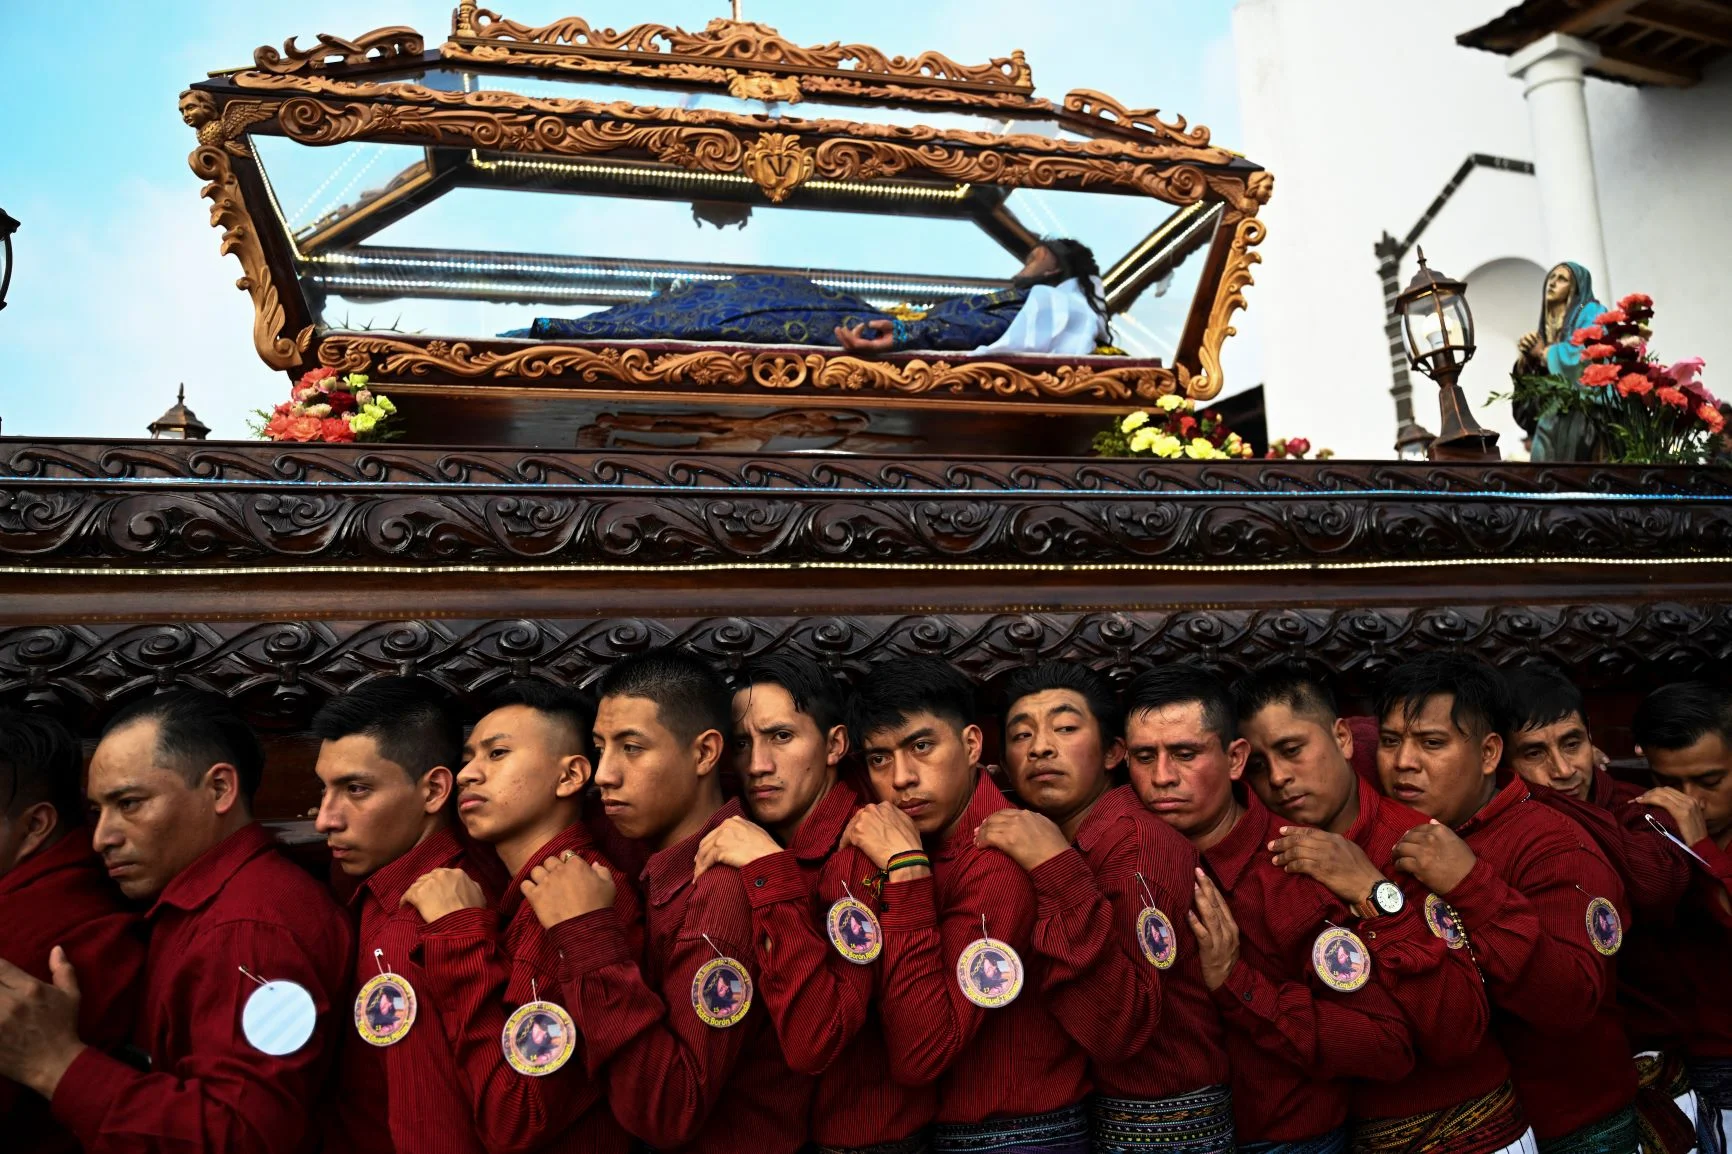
x=899, y=330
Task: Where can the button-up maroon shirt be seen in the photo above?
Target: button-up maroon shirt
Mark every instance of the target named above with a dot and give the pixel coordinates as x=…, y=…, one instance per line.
x=1149, y=1033
x=239, y=904
x=1015, y=1060
x=1438, y=989
x=61, y=896
x=1668, y=965
x=819, y=1001
x=1291, y=1040
x=407, y=1096
x=1524, y=906
x=480, y=965
x=672, y=1080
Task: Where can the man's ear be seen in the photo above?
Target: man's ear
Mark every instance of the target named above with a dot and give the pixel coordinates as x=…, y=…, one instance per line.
x=836, y=744
x=1344, y=739
x=574, y=773
x=973, y=741
x=707, y=748
x=1238, y=752
x=224, y=782
x=1491, y=753
x=437, y=785
x=38, y=823
x=1114, y=754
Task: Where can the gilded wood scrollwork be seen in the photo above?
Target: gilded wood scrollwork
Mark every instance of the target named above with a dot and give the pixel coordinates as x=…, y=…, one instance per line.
x=393, y=43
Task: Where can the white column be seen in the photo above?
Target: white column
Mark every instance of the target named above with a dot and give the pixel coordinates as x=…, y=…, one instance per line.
x=1550, y=70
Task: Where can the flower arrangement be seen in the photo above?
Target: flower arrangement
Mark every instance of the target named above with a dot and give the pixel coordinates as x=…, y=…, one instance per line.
x=1296, y=448
x=1171, y=430
x=323, y=406
x=1644, y=412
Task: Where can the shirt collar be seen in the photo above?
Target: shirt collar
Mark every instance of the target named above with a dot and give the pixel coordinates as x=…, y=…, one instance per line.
x=1231, y=856
x=1115, y=803
x=1513, y=793
x=985, y=800
x=1369, y=801
x=389, y=882
x=1603, y=791
x=71, y=852
x=670, y=870
x=820, y=833
x=574, y=837
x=204, y=878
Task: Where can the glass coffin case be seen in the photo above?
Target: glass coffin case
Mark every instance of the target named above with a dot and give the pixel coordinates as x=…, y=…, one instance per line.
x=564, y=235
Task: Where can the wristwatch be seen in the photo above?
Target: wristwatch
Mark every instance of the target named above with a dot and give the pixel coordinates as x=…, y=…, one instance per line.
x=1385, y=898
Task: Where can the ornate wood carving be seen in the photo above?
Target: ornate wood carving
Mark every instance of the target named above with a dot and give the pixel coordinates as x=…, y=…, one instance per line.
x=283, y=669
x=82, y=506
x=778, y=163
x=396, y=44
x=1098, y=106
x=1229, y=298
x=763, y=86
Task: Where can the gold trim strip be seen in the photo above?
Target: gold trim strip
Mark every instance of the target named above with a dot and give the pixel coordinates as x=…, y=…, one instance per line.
x=869, y=566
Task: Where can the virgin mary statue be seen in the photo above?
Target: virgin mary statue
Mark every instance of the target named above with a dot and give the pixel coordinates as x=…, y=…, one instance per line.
x=1568, y=305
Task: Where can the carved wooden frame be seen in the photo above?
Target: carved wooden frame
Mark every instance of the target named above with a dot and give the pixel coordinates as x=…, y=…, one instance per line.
x=305, y=96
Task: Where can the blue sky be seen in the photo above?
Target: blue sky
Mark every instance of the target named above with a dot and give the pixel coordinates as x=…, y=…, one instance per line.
x=119, y=293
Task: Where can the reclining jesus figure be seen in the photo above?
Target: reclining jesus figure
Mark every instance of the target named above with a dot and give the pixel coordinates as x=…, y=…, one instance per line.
x=1054, y=305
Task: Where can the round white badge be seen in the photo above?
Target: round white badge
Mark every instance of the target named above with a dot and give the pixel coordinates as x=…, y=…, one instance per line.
x=989, y=973
x=854, y=931
x=538, y=1038
x=279, y=1018
x=385, y=1009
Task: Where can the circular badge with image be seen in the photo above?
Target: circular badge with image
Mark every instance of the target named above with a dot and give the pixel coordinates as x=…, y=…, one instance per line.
x=989, y=973
x=721, y=992
x=1605, y=928
x=539, y=1038
x=854, y=931
x=1444, y=922
x=1155, y=936
x=1341, y=959
x=385, y=1009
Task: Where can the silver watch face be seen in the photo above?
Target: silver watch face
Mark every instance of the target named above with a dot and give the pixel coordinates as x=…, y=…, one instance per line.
x=1387, y=897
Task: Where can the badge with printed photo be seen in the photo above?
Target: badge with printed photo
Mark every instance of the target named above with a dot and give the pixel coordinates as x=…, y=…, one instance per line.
x=989, y=973
x=538, y=1038
x=854, y=931
x=1340, y=958
x=385, y=1009
x=721, y=992
x=1155, y=935
x=1605, y=928
x=1444, y=922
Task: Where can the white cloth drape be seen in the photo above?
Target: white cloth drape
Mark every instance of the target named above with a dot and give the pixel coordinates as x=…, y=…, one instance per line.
x=1054, y=319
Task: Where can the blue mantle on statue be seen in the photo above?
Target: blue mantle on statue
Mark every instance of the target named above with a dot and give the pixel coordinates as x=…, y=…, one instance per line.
x=767, y=308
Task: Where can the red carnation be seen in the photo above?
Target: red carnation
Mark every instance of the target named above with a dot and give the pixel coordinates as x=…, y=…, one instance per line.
x=1635, y=385
x=1596, y=375
x=302, y=428
x=1187, y=425
x=336, y=430
x=1298, y=446
x=1600, y=352
x=1614, y=317
x=314, y=376
x=1673, y=397
x=1712, y=418
x=1584, y=336
x=1636, y=302
x=340, y=400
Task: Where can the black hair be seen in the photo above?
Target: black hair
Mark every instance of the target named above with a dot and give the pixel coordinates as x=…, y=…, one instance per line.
x=895, y=690
x=1096, y=692
x=1481, y=694
x=814, y=691
x=1541, y=697
x=574, y=708
x=1076, y=260
x=196, y=730
x=408, y=718
x=1289, y=683
x=690, y=697
x=40, y=761
x=1181, y=683
x=1678, y=716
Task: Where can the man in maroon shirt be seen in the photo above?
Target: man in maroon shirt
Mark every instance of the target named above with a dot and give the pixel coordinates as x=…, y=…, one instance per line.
x=173, y=779
x=526, y=764
x=1541, y=907
x=1290, y=984
x=1551, y=749
x=1112, y=882
x=54, y=892
x=1685, y=732
x=388, y=759
x=691, y=1059
x=958, y=924
x=1459, y=1096
x=788, y=740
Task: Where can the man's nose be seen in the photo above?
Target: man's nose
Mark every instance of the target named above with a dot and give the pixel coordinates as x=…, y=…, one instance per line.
x=1407, y=756
x=470, y=774
x=1280, y=772
x=1559, y=768
x=607, y=771
x=328, y=820
x=107, y=835
x=1165, y=771
x=904, y=773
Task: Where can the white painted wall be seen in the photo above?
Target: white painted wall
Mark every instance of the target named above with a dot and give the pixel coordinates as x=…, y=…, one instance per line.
x=1363, y=109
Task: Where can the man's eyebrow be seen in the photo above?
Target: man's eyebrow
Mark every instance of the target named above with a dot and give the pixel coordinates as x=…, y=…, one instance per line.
x=120, y=791
x=920, y=734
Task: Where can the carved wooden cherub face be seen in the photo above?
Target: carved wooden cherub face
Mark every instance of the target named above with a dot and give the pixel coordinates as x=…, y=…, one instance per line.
x=1560, y=283
x=197, y=108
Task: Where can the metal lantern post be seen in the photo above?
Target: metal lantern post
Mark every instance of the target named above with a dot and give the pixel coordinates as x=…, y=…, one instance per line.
x=179, y=423
x=1438, y=328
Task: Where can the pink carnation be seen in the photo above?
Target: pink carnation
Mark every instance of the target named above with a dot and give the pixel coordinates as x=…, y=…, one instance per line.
x=1600, y=352
x=1635, y=385
x=1712, y=418
x=1596, y=375
x=1614, y=317
x=1673, y=397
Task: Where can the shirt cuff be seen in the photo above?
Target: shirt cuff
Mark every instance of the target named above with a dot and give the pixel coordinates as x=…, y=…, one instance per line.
x=468, y=922
x=1245, y=990
x=1478, y=896
x=87, y=1092
x=1063, y=882
x=909, y=905
x=775, y=878
x=1718, y=859
x=590, y=941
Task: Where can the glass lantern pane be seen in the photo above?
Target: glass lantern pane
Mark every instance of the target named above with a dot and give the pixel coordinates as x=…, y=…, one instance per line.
x=1462, y=320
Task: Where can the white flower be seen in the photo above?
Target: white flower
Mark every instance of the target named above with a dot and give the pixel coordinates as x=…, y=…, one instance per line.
x=1170, y=402
x=1133, y=422
x=1143, y=440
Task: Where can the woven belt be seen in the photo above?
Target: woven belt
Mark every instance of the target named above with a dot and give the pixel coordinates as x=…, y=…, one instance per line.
x=1489, y=1122
x=1063, y=1131
x=917, y=1143
x=1332, y=1142
x=1198, y=1122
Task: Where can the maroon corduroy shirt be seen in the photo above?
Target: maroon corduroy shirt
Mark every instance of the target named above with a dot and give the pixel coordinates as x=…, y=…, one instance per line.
x=239, y=904
x=820, y=1001
x=480, y=965
x=1011, y=1061
x=1292, y=1042
x=672, y=1080
x=1149, y=1033
x=1525, y=906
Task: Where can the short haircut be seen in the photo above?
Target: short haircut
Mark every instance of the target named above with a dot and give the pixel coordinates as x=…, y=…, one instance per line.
x=1481, y=694
x=408, y=718
x=196, y=730
x=1289, y=683
x=895, y=690
x=1096, y=692
x=814, y=691
x=40, y=761
x=1181, y=683
x=573, y=708
x=690, y=697
x=1541, y=697
x=1678, y=716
